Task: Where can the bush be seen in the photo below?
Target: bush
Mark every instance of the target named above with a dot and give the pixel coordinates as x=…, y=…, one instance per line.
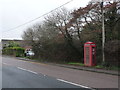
x=53, y=51
x=14, y=51
x=112, y=49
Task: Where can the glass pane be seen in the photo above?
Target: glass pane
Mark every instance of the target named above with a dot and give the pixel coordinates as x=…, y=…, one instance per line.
x=87, y=55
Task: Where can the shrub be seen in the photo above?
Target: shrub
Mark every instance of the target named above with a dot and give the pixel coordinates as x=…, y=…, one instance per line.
x=14, y=51
x=112, y=49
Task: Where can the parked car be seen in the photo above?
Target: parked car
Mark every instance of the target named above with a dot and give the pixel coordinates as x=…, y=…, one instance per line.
x=29, y=53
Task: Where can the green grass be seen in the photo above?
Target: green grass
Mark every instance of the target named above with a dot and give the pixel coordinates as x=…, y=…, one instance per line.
x=109, y=68
x=74, y=63
x=97, y=66
x=115, y=68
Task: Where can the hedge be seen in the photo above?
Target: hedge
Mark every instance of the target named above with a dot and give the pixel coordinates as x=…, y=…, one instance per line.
x=14, y=51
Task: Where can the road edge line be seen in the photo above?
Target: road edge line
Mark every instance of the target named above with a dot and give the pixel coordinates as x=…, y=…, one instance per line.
x=73, y=83
x=5, y=64
x=27, y=70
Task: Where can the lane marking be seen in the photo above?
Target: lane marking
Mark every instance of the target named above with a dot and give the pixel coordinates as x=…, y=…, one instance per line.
x=73, y=83
x=44, y=75
x=27, y=70
x=5, y=64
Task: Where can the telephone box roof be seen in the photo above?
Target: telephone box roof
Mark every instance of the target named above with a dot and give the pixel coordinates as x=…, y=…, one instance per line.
x=89, y=42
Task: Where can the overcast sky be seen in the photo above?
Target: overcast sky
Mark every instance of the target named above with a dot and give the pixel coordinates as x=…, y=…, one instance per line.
x=16, y=12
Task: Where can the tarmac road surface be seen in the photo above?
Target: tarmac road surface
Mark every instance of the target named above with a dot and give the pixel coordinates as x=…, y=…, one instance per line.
x=28, y=72
x=21, y=78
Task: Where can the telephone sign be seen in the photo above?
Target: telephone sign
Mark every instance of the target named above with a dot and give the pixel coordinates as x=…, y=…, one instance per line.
x=90, y=54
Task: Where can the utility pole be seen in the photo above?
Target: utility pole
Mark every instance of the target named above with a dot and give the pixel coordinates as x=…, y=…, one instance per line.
x=103, y=32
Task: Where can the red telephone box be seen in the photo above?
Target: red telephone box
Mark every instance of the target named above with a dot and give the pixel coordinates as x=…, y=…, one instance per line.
x=90, y=54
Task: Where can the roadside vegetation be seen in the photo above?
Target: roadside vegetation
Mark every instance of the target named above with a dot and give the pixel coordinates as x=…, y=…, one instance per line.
x=13, y=49
x=60, y=37
x=112, y=67
x=62, y=34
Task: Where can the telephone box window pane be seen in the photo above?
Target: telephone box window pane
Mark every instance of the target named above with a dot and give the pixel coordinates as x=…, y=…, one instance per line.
x=93, y=54
x=87, y=55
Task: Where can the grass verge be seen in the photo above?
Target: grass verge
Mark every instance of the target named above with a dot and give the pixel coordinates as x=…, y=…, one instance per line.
x=97, y=66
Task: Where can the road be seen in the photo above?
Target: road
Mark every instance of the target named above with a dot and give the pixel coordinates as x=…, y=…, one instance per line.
x=20, y=78
x=25, y=74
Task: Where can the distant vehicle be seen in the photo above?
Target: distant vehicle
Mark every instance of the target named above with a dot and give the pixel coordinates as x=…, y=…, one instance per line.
x=30, y=53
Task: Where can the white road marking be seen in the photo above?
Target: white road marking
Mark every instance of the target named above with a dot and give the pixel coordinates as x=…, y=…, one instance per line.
x=5, y=64
x=27, y=70
x=73, y=83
